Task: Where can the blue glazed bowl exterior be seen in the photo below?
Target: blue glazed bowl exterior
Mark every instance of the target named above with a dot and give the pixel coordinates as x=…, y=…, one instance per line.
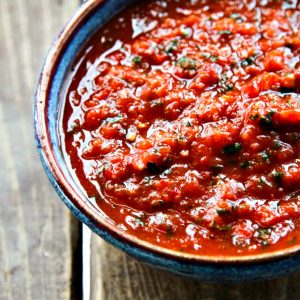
x=87, y=20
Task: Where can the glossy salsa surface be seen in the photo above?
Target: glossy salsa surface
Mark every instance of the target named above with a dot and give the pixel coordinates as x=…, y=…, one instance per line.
x=181, y=121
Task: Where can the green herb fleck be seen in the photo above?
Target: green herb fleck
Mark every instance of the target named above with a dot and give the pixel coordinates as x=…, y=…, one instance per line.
x=266, y=121
x=157, y=103
x=265, y=156
x=226, y=227
x=233, y=148
x=278, y=176
x=171, y=47
x=225, y=32
x=289, y=103
x=261, y=181
x=254, y=117
x=245, y=164
x=277, y=145
x=205, y=55
x=229, y=87
x=270, y=114
x=152, y=167
x=217, y=168
x=236, y=16
x=223, y=212
x=214, y=58
x=137, y=60
x=225, y=85
x=139, y=222
x=188, y=124
x=147, y=180
x=114, y=120
x=263, y=233
x=187, y=63
x=248, y=61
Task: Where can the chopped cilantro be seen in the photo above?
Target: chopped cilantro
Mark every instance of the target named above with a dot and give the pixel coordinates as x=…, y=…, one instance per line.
x=248, y=61
x=264, y=243
x=289, y=103
x=205, y=55
x=214, y=58
x=229, y=87
x=223, y=212
x=270, y=114
x=187, y=63
x=137, y=60
x=226, y=227
x=278, y=176
x=245, y=164
x=236, y=16
x=265, y=156
x=152, y=167
x=261, y=181
x=263, y=233
x=225, y=85
x=233, y=148
x=266, y=121
x=139, y=222
x=170, y=48
x=225, y=32
x=114, y=120
x=217, y=168
x=276, y=145
x=254, y=117
x=147, y=180
x=188, y=124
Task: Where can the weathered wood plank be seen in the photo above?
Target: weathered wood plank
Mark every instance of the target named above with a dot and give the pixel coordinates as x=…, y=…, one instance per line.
x=35, y=228
x=115, y=276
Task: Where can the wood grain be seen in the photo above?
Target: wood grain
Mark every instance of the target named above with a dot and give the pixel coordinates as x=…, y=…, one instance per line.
x=35, y=228
x=115, y=276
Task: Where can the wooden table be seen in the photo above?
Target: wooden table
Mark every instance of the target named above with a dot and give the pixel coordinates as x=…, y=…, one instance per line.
x=40, y=242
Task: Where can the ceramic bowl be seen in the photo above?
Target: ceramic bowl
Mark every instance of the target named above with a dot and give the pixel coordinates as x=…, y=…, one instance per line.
x=86, y=21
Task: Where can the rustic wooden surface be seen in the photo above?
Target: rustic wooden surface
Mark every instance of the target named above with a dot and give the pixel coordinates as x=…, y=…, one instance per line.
x=39, y=240
x=35, y=228
x=117, y=276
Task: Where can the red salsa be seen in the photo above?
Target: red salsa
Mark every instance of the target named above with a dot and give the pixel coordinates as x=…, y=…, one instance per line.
x=181, y=120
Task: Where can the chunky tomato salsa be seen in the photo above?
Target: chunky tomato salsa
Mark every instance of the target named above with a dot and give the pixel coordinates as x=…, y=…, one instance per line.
x=181, y=121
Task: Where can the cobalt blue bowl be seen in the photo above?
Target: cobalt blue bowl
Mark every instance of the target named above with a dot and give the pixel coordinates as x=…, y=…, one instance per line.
x=85, y=22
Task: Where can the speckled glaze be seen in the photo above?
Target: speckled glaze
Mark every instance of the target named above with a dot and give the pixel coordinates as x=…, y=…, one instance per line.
x=85, y=22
